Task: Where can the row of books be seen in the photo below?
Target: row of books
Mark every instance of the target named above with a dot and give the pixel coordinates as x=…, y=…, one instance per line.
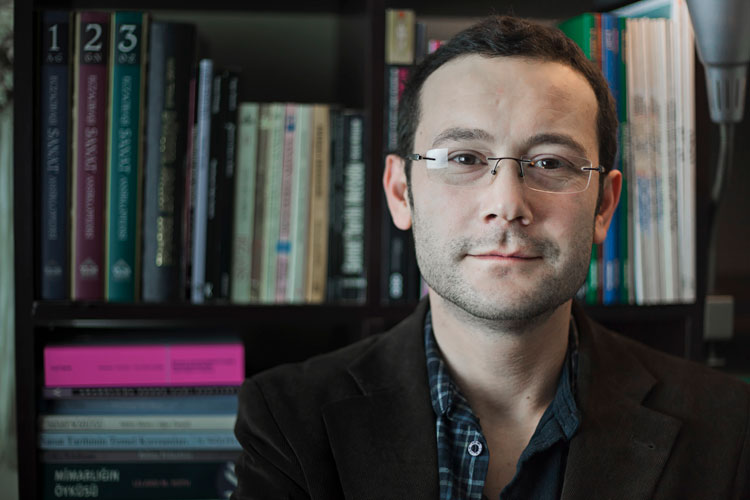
x=646, y=52
x=157, y=183
x=140, y=421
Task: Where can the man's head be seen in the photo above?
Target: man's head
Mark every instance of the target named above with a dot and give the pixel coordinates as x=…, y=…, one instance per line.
x=503, y=36
x=500, y=250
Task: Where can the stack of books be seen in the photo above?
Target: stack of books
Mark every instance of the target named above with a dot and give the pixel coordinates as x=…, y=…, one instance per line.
x=140, y=421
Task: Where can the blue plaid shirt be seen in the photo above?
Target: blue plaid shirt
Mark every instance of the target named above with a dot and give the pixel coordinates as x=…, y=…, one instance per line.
x=463, y=457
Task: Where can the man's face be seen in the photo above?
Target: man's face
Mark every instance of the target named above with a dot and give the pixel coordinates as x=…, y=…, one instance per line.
x=501, y=251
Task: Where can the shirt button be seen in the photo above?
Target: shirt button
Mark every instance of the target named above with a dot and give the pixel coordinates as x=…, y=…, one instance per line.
x=475, y=448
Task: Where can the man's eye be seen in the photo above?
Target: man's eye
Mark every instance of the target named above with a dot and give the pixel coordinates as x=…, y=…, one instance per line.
x=550, y=163
x=466, y=159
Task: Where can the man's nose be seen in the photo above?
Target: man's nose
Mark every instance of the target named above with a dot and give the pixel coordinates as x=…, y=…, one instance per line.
x=506, y=196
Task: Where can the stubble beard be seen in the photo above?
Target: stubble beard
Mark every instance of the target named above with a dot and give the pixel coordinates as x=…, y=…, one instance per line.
x=440, y=263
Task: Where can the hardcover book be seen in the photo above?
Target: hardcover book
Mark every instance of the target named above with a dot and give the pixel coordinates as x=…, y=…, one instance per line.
x=54, y=153
x=128, y=46
x=167, y=153
x=89, y=155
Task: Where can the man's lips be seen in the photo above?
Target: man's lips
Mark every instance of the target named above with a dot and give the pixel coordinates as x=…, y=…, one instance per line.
x=504, y=255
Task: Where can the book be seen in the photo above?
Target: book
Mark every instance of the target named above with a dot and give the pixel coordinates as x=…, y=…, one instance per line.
x=144, y=365
x=125, y=480
x=167, y=153
x=610, y=56
x=317, y=255
x=53, y=392
x=140, y=423
x=127, y=78
x=199, y=194
x=295, y=291
x=266, y=122
x=134, y=456
x=89, y=148
x=273, y=168
x=196, y=440
x=221, y=184
x=349, y=279
x=284, y=241
x=244, y=201
x=54, y=153
x=156, y=405
x=399, y=36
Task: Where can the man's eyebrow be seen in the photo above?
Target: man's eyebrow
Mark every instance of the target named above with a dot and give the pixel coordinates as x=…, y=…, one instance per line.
x=462, y=134
x=560, y=139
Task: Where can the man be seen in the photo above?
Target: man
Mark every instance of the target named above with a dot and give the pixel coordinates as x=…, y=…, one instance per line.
x=498, y=386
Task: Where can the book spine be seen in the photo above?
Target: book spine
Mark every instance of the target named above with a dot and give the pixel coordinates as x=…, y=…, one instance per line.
x=200, y=193
x=204, y=440
x=127, y=480
x=188, y=209
x=258, y=251
x=134, y=456
x=300, y=204
x=135, y=423
x=157, y=405
x=244, y=201
x=54, y=153
x=138, y=391
x=227, y=180
x=284, y=240
x=213, y=219
x=124, y=166
x=89, y=155
x=610, y=250
x=166, y=154
x=143, y=365
x=353, y=279
x=272, y=200
x=336, y=205
x=624, y=212
x=317, y=263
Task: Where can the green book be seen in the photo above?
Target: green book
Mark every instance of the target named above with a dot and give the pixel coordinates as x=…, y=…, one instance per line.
x=625, y=215
x=124, y=163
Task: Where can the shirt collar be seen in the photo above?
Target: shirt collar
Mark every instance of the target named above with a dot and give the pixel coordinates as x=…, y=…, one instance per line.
x=444, y=394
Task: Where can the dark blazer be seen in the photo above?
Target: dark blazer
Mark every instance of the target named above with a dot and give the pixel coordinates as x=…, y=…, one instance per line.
x=357, y=423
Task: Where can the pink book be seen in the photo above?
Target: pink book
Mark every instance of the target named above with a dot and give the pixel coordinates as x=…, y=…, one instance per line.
x=284, y=246
x=144, y=365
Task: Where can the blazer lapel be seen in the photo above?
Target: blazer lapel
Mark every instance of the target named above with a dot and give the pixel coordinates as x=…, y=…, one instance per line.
x=383, y=441
x=622, y=446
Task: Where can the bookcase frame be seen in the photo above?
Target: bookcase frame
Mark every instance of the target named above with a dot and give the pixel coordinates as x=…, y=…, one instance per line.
x=276, y=333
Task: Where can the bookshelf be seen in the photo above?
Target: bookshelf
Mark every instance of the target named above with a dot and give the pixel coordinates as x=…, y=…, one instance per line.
x=331, y=51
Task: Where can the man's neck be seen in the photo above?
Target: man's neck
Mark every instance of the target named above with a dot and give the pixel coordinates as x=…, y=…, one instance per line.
x=508, y=373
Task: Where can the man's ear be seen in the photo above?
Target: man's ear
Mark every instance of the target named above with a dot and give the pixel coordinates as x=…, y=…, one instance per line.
x=396, y=192
x=609, y=198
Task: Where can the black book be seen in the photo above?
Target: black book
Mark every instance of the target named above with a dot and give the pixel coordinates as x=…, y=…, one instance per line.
x=171, y=62
x=54, y=153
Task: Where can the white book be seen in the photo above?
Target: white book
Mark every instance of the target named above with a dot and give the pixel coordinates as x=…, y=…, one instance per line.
x=685, y=90
x=272, y=202
x=295, y=290
x=244, y=201
x=79, y=423
x=663, y=102
x=200, y=191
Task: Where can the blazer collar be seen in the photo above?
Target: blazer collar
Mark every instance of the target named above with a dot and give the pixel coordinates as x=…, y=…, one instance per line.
x=622, y=446
x=384, y=440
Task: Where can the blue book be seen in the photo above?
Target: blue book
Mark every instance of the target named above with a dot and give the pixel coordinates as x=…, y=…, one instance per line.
x=611, y=248
x=54, y=153
x=216, y=440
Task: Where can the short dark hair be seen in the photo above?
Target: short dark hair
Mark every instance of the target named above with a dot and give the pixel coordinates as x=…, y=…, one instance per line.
x=507, y=36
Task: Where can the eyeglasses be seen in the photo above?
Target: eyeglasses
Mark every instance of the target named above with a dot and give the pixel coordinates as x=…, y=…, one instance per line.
x=547, y=173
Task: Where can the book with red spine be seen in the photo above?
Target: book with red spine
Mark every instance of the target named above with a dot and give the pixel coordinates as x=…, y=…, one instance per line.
x=90, y=80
